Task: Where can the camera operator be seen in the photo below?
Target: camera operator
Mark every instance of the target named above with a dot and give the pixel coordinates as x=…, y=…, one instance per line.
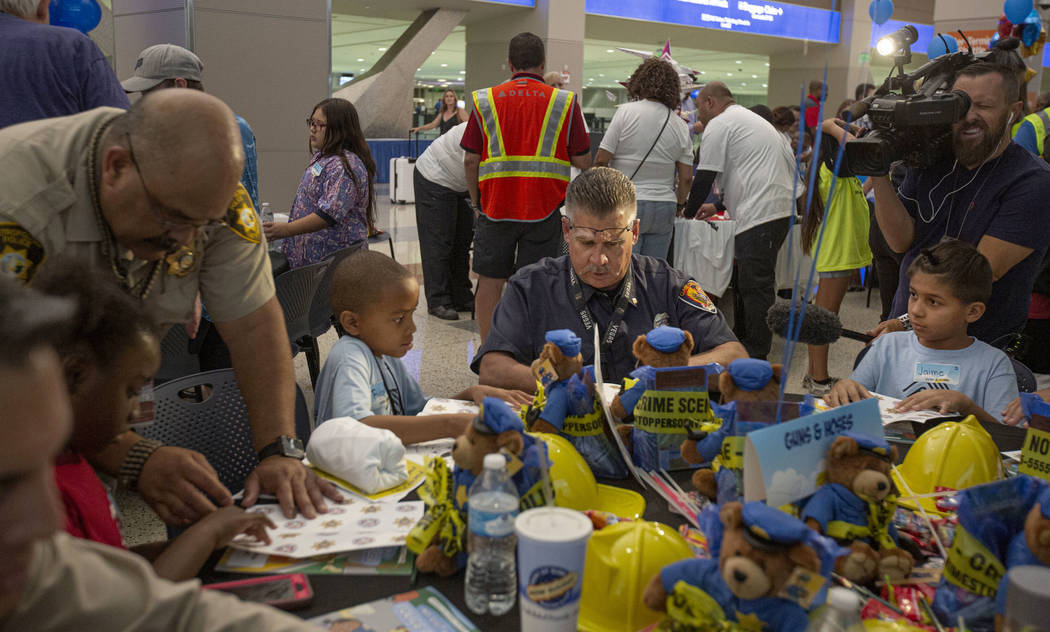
x=991, y=194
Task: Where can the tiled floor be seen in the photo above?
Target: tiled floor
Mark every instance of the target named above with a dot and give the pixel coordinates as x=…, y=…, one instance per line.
x=443, y=349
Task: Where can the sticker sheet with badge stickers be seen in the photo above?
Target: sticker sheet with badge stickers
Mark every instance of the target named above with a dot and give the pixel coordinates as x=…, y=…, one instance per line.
x=445, y=406
x=347, y=527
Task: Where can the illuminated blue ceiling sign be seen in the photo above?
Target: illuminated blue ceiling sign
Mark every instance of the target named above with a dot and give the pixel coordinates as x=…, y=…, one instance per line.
x=879, y=31
x=774, y=19
x=520, y=3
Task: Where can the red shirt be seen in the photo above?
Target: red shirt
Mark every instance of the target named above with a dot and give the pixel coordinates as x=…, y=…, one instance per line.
x=1040, y=307
x=90, y=513
x=579, y=140
x=812, y=111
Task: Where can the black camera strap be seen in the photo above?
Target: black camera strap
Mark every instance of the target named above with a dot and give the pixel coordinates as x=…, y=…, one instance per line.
x=397, y=406
x=624, y=299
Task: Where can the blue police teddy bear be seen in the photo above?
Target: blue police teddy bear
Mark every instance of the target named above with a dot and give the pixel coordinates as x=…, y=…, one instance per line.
x=856, y=505
x=566, y=405
x=438, y=539
x=1030, y=547
x=767, y=568
x=746, y=380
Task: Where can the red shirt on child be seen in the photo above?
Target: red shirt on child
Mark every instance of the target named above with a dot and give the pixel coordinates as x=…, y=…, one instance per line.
x=90, y=514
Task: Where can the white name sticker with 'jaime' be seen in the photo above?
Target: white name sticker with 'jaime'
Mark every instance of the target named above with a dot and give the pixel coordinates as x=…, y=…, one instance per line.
x=937, y=373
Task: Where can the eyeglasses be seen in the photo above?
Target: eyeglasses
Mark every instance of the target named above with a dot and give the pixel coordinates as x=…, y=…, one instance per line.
x=169, y=218
x=312, y=123
x=609, y=236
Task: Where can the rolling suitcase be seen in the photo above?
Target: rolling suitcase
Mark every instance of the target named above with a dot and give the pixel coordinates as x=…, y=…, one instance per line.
x=402, y=168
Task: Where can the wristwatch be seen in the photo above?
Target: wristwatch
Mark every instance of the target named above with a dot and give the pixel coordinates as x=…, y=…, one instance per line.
x=283, y=446
x=136, y=458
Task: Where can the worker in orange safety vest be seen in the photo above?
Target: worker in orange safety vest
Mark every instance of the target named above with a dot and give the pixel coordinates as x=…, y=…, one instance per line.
x=520, y=142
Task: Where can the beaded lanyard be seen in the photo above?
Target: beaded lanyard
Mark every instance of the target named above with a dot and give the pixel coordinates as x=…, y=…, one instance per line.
x=109, y=244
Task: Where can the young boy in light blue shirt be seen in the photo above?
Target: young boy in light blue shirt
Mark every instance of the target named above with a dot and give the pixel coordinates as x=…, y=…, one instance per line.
x=373, y=298
x=937, y=364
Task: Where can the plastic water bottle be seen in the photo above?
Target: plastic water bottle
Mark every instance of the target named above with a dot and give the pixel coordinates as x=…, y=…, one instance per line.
x=265, y=214
x=492, y=581
x=840, y=614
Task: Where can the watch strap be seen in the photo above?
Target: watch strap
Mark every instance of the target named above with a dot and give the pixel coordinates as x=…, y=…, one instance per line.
x=134, y=460
x=276, y=448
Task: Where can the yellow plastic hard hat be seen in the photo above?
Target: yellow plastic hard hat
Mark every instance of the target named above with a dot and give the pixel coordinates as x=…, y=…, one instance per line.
x=575, y=487
x=621, y=559
x=955, y=454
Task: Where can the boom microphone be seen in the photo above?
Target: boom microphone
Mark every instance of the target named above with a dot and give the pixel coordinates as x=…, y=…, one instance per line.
x=859, y=109
x=819, y=326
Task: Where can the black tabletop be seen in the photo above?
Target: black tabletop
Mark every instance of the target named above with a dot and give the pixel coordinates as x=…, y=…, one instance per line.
x=334, y=592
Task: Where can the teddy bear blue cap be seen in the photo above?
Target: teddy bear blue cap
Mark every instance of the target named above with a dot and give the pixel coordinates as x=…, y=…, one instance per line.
x=872, y=444
x=565, y=340
x=773, y=525
x=496, y=417
x=665, y=339
x=750, y=374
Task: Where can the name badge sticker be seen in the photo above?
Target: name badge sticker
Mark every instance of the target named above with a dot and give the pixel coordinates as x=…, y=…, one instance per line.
x=316, y=169
x=932, y=373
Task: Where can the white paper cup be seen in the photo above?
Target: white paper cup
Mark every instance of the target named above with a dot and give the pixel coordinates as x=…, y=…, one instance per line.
x=552, y=546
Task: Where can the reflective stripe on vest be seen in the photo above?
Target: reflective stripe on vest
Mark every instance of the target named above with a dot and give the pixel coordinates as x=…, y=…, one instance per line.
x=524, y=167
x=556, y=111
x=1040, y=123
x=483, y=104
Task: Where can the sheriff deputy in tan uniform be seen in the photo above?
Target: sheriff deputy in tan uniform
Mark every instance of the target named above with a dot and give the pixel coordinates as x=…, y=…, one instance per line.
x=147, y=194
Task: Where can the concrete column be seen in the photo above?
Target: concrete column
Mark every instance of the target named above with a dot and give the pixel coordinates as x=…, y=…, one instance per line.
x=383, y=95
x=102, y=34
x=792, y=70
x=559, y=23
x=268, y=59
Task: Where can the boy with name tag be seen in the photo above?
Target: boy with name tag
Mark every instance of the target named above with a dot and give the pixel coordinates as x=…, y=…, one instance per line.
x=937, y=364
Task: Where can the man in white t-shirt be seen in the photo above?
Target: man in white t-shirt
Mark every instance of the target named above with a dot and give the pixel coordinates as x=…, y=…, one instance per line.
x=446, y=226
x=755, y=171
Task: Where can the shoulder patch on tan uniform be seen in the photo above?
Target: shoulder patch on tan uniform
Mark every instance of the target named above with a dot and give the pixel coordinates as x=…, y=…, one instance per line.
x=241, y=217
x=20, y=253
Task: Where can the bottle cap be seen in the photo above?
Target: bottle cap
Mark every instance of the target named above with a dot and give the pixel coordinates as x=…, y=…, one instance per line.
x=841, y=598
x=495, y=461
x=1027, y=593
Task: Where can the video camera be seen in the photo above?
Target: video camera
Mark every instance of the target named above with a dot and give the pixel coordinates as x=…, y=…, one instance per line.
x=913, y=126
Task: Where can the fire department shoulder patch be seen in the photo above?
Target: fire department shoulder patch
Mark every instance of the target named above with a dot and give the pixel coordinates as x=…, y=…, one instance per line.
x=692, y=295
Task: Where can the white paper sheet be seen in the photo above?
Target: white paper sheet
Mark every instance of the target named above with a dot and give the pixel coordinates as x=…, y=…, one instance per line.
x=348, y=527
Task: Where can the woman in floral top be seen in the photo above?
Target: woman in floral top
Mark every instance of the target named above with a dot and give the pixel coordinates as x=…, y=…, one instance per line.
x=335, y=204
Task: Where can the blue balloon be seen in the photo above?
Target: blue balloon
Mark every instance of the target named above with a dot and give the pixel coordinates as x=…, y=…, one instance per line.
x=880, y=10
x=1032, y=27
x=939, y=46
x=1017, y=10
x=82, y=15
x=992, y=42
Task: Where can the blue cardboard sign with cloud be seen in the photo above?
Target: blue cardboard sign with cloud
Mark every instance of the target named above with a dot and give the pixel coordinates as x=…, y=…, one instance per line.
x=786, y=462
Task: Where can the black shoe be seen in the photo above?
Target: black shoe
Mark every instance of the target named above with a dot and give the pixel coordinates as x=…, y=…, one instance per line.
x=444, y=312
x=465, y=306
